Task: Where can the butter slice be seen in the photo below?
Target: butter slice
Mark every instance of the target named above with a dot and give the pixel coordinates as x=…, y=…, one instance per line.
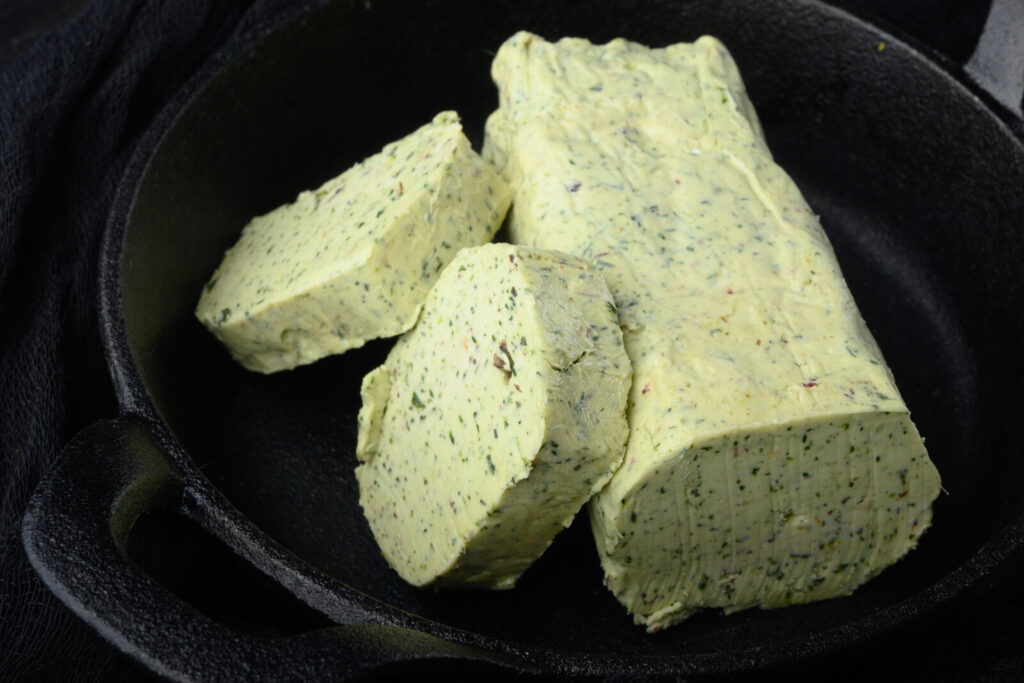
x=771, y=460
x=494, y=419
x=354, y=259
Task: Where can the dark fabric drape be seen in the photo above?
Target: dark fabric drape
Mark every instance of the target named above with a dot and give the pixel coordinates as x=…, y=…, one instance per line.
x=71, y=108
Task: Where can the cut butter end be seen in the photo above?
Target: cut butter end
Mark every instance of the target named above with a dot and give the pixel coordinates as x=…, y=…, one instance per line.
x=504, y=409
x=354, y=259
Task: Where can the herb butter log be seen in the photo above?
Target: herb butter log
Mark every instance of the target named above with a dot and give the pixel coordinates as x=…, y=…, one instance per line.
x=771, y=460
x=354, y=259
x=494, y=419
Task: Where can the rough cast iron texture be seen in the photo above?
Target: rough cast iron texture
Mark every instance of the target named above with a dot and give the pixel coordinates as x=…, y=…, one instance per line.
x=918, y=185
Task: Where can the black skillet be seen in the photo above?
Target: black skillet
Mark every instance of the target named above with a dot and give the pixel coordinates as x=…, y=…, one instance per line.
x=917, y=172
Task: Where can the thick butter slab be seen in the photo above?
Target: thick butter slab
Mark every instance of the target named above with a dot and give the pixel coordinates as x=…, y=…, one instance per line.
x=354, y=259
x=494, y=419
x=771, y=460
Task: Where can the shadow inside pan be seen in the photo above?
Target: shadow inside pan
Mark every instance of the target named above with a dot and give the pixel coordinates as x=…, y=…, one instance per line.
x=909, y=174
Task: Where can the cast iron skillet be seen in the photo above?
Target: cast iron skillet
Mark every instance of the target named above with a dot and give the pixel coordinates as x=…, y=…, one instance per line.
x=918, y=176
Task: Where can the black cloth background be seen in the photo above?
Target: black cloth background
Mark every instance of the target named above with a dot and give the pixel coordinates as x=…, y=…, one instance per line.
x=71, y=109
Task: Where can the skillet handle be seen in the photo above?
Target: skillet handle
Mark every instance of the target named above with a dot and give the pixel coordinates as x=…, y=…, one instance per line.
x=76, y=532
x=997, y=65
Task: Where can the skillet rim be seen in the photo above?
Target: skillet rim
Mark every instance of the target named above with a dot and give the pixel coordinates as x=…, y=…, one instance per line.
x=336, y=599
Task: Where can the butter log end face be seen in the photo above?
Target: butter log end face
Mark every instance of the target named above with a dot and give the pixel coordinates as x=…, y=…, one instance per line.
x=493, y=420
x=354, y=259
x=775, y=516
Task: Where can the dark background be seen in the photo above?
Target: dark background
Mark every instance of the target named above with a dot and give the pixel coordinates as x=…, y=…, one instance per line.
x=63, y=137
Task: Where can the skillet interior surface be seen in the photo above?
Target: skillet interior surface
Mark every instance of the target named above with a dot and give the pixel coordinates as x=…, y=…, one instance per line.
x=916, y=182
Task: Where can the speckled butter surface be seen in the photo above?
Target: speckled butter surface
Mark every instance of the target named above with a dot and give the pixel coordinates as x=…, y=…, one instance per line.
x=495, y=418
x=354, y=259
x=771, y=460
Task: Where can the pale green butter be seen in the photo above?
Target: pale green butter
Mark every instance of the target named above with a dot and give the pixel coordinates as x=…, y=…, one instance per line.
x=354, y=259
x=771, y=460
x=495, y=418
